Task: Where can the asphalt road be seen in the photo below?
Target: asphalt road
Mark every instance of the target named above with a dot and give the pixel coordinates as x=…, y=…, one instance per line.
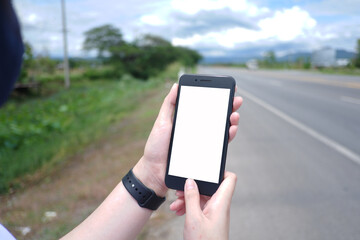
x=296, y=156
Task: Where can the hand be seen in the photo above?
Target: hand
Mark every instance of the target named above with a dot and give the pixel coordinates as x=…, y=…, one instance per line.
x=206, y=218
x=152, y=166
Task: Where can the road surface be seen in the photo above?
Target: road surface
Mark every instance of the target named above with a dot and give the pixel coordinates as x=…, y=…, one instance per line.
x=296, y=156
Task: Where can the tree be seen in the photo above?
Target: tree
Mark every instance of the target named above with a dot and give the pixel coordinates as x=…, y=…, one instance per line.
x=102, y=39
x=28, y=63
x=269, y=59
x=357, y=59
x=44, y=64
x=156, y=52
x=149, y=40
x=145, y=56
x=188, y=57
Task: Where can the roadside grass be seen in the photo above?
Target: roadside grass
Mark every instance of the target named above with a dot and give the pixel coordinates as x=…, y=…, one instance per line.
x=75, y=181
x=76, y=188
x=40, y=134
x=340, y=71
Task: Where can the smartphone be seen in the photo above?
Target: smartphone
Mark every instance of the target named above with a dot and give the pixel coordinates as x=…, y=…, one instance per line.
x=200, y=132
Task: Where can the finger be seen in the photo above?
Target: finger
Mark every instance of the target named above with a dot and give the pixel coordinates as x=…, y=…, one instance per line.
x=168, y=106
x=180, y=202
x=181, y=205
x=203, y=200
x=234, y=118
x=237, y=103
x=192, y=200
x=219, y=204
x=177, y=204
x=232, y=132
x=179, y=193
x=226, y=190
x=180, y=212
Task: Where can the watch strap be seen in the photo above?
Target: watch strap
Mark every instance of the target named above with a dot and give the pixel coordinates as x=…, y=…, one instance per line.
x=145, y=196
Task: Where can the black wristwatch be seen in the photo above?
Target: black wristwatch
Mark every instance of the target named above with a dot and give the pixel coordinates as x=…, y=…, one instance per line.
x=145, y=196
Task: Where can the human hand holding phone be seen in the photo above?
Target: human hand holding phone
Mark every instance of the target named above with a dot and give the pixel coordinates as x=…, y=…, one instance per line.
x=120, y=210
x=200, y=132
x=206, y=217
x=152, y=166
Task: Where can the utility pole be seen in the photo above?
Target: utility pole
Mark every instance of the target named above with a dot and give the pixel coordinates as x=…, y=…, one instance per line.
x=66, y=60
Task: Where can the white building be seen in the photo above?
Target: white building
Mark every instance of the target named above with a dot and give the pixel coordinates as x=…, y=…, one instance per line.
x=342, y=62
x=252, y=64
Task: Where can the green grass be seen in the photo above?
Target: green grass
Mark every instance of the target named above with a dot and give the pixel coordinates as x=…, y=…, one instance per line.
x=286, y=66
x=42, y=132
x=340, y=71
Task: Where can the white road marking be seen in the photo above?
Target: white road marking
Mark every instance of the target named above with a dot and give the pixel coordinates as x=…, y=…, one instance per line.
x=350, y=99
x=325, y=140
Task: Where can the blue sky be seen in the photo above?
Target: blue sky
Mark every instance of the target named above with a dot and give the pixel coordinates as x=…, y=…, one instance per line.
x=215, y=28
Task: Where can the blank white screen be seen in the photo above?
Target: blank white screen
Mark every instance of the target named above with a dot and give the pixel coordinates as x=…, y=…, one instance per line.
x=199, y=133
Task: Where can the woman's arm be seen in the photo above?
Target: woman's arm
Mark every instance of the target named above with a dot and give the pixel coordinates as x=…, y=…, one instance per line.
x=120, y=216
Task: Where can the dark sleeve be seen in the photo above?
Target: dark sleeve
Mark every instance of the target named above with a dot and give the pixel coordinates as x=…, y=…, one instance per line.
x=11, y=49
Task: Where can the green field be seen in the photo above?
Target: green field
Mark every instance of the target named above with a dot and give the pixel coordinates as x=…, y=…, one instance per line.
x=39, y=134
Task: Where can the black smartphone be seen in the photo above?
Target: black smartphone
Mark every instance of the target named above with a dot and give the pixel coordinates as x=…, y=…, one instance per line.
x=200, y=132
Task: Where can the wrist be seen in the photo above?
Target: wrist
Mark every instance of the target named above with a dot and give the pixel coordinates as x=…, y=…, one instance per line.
x=150, y=177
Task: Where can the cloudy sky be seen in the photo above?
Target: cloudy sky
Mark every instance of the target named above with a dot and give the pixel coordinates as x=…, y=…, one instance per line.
x=215, y=28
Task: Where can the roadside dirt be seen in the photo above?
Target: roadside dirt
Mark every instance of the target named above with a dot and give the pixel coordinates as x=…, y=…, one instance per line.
x=61, y=201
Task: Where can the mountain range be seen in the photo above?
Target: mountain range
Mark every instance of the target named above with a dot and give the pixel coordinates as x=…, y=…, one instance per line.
x=340, y=53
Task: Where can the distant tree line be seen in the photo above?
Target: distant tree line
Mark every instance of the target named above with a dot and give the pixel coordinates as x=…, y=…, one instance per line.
x=270, y=60
x=144, y=57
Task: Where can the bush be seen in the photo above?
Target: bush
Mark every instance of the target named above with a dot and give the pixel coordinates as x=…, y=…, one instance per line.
x=76, y=76
x=50, y=77
x=103, y=73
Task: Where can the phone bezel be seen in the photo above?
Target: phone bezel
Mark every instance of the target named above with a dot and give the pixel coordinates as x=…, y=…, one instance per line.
x=205, y=188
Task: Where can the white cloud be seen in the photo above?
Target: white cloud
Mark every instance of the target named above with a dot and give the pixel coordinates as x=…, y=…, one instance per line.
x=192, y=7
x=32, y=18
x=181, y=25
x=219, y=27
x=285, y=25
x=42, y=19
x=153, y=20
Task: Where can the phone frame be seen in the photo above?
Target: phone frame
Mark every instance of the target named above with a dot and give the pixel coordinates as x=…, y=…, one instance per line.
x=205, y=188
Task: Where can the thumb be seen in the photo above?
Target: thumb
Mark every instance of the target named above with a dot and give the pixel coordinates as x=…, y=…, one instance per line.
x=192, y=199
x=168, y=106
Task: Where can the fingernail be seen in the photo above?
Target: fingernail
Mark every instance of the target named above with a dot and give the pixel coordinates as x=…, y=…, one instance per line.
x=190, y=184
x=173, y=86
